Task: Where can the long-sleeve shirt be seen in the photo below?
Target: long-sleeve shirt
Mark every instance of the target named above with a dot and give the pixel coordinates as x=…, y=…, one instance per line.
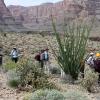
x=90, y=61
x=14, y=54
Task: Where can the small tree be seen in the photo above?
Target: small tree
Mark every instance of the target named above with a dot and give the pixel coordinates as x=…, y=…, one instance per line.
x=72, y=46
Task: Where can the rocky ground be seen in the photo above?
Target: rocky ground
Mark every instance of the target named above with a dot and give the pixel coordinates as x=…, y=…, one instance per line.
x=7, y=93
x=29, y=45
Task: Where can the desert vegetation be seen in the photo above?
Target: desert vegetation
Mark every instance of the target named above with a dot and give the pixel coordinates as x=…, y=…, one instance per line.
x=44, y=51
x=27, y=75
x=67, y=53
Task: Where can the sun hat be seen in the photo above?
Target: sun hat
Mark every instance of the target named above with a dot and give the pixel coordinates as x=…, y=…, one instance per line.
x=91, y=53
x=97, y=54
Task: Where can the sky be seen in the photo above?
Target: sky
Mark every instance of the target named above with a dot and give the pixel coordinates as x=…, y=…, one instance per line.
x=28, y=2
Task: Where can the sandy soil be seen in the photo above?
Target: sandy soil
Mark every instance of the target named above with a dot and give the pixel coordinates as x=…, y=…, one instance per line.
x=7, y=93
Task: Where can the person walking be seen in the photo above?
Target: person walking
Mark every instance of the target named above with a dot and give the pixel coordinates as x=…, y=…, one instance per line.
x=90, y=60
x=14, y=55
x=46, y=61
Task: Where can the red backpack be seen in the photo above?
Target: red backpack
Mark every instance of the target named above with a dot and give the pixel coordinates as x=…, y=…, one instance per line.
x=37, y=57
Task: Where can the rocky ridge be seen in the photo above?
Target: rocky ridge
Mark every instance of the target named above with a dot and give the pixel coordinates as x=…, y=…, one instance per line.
x=7, y=22
x=39, y=17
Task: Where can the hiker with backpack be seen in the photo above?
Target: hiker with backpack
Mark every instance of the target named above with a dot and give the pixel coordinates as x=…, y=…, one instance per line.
x=90, y=60
x=14, y=55
x=43, y=58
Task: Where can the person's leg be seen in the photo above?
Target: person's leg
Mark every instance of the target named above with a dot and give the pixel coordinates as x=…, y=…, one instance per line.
x=48, y=66
x=0, y=60
x=16, y=60
x=99, y=79
x=45, y=66
x=42, y=64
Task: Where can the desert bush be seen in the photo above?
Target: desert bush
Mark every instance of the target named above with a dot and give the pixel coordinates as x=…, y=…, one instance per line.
x=28, y=96
x=31, y=74
x=75, y=95
x=13, y=78
x=90, y=79
x=72, y=46
x=57, y=95
x=13, y=83
x=47, y=95
x=9, y=65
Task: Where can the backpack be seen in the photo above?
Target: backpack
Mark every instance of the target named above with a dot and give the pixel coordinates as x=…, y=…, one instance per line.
x=97, y=65
x=43, y=57
x=37, y=57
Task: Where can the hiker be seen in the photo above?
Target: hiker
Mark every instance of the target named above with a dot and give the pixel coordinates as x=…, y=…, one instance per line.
x=46, y=56
x=90, y=60
x=1, y=56
x=46, y=61
x=97, y=65
x=14, y=55
x=43, y=58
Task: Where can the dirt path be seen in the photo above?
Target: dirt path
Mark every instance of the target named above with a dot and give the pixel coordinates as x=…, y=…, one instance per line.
x=7, y=93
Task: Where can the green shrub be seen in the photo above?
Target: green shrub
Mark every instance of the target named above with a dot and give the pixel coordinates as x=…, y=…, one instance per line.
x=72, y=46
x=13, y=83
x=13, y=78
x=31, y=74
x=47, y=95
x=75, y=95
x=9, y=65
x=90, y=79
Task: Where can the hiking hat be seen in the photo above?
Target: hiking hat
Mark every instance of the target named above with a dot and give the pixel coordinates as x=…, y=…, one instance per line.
x=91, y=54
x=97, y=54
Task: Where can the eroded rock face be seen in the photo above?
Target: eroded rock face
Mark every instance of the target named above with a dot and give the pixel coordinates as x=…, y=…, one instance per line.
x=93, y=7
x=7, y=22
x=39, y=17
x=3, y=10
x=41, y=14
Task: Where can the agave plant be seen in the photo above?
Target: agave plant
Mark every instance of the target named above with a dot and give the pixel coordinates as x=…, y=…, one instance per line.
x=72, y=47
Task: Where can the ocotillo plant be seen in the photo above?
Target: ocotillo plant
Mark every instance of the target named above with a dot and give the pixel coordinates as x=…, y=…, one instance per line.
x=72, y=47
